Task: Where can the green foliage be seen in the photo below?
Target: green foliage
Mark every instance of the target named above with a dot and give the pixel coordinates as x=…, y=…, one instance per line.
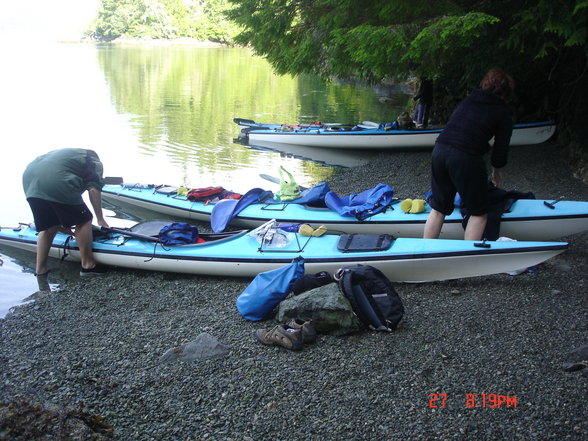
x=201, y=20
x=542, y=43
x=365, y=39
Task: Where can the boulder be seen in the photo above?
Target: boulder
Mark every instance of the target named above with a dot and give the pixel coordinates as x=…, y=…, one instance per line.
x=326, y=306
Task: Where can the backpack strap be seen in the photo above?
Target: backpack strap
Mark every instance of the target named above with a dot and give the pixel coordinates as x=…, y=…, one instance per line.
x=346, y=286
x=360, y=302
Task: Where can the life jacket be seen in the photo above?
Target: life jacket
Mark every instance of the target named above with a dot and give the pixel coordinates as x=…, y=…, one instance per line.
x=362, y=205
x=207, y=194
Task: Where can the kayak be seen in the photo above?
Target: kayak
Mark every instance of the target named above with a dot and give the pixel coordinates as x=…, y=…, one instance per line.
x=246, y=254
x=527, y=219
x=371, y=135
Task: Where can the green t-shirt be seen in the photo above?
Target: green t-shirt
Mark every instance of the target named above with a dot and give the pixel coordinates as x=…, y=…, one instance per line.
x=63, y=175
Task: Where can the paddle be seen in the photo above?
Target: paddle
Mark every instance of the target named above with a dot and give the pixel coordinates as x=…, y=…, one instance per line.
x=129, y=233
x=552, y=203
x=243, y=121
x=113, y=180
x=250, y=122
x=277, y=180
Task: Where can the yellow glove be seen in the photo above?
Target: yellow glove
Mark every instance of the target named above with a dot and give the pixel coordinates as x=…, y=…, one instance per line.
x=319, y=231
x=418, y=206
x=305, y=230
x=406, y=205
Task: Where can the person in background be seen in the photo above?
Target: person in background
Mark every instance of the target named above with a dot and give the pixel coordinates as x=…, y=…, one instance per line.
x=458, y=164
x=53, y=184
x=425, y=99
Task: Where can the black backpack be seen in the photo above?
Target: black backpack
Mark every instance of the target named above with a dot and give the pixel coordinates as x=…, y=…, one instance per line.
x=372, y=296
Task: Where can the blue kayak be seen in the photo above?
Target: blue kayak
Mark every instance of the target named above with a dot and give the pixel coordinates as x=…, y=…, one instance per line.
x=527, y=219
x=245, y=254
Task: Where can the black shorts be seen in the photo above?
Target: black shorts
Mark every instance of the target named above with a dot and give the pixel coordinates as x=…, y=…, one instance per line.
x=47, y=214
x=455, y=171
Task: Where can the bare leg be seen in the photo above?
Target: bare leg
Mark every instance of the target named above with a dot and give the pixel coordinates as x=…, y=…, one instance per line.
x=475, y=227
x=44, y=241
x=84, y=238
x=434, y=225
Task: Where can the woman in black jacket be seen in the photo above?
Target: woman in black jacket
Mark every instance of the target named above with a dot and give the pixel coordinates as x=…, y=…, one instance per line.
x=458, y=164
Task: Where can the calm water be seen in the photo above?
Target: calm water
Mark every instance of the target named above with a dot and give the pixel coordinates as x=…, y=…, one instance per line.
x=159, y=114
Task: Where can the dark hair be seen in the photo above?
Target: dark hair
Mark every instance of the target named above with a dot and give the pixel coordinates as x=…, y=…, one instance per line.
x=498, y=82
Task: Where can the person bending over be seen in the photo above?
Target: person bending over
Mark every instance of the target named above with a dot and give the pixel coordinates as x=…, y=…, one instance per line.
x=53, y=184
x=458, y=163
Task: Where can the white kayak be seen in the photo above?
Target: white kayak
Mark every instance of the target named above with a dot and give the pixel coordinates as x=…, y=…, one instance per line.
x=371, y=136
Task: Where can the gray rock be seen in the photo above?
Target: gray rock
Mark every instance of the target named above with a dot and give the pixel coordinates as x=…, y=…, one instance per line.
x=578, y=354
x=326, y=306
x=573, y=367
x=203, y=347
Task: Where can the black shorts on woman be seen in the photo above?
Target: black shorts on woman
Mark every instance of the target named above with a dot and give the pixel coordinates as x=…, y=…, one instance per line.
x=457, y=171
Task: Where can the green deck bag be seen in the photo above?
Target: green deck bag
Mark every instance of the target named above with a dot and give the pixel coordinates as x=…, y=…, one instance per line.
x=289, y=189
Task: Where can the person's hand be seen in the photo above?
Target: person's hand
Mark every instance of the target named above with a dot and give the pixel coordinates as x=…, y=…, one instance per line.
x=102, y=222
x=496, y=177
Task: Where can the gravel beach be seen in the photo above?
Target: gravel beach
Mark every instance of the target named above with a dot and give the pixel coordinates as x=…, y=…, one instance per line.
x=97, y=344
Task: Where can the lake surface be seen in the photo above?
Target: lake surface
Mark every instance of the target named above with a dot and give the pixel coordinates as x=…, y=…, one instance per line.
x=161, y=115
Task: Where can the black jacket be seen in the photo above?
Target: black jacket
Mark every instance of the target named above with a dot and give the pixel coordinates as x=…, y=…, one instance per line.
x=478, y=118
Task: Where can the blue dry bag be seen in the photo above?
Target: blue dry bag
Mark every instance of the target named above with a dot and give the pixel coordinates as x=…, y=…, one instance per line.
x=178, y=233
x=268, y=289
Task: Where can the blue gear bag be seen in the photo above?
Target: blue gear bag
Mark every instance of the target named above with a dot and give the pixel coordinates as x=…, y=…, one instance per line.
x=178, y=233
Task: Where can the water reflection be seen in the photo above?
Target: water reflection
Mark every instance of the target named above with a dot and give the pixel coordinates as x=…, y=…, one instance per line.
x=324, y=156
x=184, y=100
x=18, y=283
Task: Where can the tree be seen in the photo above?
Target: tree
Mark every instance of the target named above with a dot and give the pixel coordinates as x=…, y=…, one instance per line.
x=202, y=20
x=543, y=43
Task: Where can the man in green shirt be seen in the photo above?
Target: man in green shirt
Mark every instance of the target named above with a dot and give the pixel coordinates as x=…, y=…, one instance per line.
x=54, y=184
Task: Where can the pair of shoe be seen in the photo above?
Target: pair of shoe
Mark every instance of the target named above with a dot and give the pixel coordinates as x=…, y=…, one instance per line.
x=307, y=230
x=98, y=270
x=293, y=335
x=413, y=205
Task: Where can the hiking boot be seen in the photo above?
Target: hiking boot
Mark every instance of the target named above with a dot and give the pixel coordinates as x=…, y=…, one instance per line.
x=279, y=336
x=306, y=327
x=98, y=270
